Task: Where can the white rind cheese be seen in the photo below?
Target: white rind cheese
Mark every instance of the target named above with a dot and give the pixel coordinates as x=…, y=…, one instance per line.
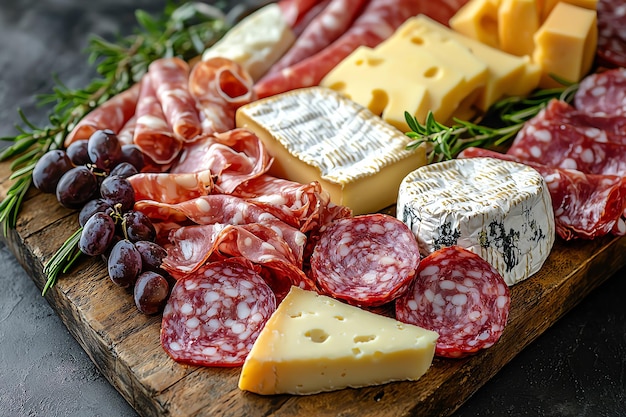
x=500, y=210
x=256, y=42
x=317, y=134
x=313, y=343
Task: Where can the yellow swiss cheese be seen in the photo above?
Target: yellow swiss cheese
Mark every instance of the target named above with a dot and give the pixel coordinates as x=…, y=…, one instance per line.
x=313, y=343
x=317, y=134
x=565, y=44
x=518, y=20
x=478, y=19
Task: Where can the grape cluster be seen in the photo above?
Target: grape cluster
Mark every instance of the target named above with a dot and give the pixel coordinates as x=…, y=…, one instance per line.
x=92, y=175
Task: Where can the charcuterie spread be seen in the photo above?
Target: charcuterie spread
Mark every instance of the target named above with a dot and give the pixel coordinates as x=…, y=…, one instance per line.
x=243, y=195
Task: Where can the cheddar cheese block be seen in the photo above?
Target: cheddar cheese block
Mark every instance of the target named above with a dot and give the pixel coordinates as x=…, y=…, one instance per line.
x=256, y=42
x=317, y=134
x=500, y=210
x=313, y=343
x=478, y=19
x=565, y=44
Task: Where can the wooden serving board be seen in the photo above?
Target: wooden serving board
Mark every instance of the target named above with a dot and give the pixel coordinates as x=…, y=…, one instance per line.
x=124, y=343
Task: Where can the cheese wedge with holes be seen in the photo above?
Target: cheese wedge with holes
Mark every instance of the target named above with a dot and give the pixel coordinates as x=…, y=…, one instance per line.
x=478, y=19
x=256, y=42
x=313, y=343
x=317, y=134
x=500, y=210
x=518, y=20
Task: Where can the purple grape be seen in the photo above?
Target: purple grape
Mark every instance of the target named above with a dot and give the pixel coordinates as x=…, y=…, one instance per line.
x=117, y=190
x=124, y=263
x=93, y=206
x=138, y=226
x=124, y=170
x=151, y=292
x=76, y=187
x=97, y=234
x=134, y=156
x=49, y=169
x=104, y=149
x=152, y=255
x=77, y=152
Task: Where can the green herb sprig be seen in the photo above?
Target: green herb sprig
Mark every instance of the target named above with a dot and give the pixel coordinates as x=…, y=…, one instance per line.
x=502, y=122
x=184, y=30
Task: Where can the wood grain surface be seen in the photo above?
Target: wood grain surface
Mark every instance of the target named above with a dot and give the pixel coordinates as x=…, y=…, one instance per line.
x=124, y=343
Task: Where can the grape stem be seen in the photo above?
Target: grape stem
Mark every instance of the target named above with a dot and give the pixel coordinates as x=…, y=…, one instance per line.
x=62, y=260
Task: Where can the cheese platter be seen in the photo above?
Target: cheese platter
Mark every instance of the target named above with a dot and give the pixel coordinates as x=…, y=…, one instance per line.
x=131, y=358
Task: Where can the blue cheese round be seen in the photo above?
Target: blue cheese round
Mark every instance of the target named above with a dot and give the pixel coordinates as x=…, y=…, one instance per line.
x=500, y=210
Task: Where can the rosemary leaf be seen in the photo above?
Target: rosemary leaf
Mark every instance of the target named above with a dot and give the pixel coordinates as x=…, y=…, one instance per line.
x=62, y=260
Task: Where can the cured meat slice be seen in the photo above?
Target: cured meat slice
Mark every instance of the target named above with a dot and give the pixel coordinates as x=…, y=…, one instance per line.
x=170, y=77
x=112, y=114
x=603, y=94
x=611, y=128
x=377, y=22
x=611, y=49
x=325, y=28
x=556, y=143
x=219, y=86
x=367, y=260
x=192, y=246
x=308, y=17
x=585, y=206
x=171, y=188
x=233, y=157
x=152, y=133
x=304, y=206
x=213, y=317
x=459, y=295
x=295, y=10
x=127, y=132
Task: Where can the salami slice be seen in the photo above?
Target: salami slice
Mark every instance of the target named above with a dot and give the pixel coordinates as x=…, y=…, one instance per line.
x=325, y=28
x=152, y=133
x=611, y=49
x=170, y=77
x=220, y=86
x=554, y=142
x=213, y=317
x=112, y=114
x=367, y=260
x=459, y=295
x=308, y=17
x=585, y=206
x=377, y=22
x=603, y=94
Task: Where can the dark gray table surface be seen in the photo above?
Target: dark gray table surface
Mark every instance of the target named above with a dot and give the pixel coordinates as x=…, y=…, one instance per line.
x=577, y=368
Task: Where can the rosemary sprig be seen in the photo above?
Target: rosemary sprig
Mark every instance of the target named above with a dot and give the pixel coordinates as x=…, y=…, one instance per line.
x=62, y=260
x=503, y=120
x=184, y=30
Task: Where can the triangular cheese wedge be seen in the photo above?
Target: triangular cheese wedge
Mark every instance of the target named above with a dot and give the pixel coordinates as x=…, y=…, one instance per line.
x=313, y=343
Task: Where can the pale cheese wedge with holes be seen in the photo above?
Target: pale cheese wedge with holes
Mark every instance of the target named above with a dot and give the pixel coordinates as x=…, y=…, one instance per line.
x=313, y=343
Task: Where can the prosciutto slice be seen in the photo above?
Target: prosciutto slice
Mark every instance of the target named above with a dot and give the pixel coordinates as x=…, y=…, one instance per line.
x=219, y=86
x=171, y=188
x=170, y=78
x=112, y=114
x=152, y=134
x=233, y=157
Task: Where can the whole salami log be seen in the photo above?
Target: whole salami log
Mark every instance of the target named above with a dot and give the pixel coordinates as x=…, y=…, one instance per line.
x=459, y=295
x=152, y=133
x=112, y=114
x=170, y=78
x=585, y=206
x=220, y=86
x=377, y=22
x=367, y=260
x=213, y=317
x=325, y=28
